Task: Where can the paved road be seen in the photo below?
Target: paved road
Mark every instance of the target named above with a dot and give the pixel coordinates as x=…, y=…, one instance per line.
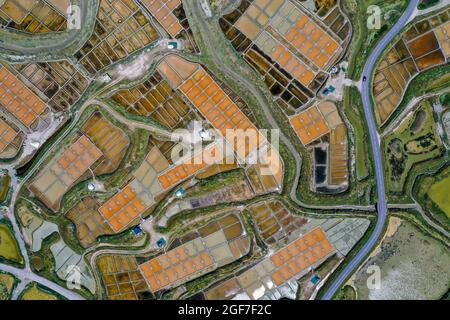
x=26, y=275
x=376, y=150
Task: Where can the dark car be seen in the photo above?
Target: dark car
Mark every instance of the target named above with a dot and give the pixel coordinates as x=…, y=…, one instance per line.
x=364, y=78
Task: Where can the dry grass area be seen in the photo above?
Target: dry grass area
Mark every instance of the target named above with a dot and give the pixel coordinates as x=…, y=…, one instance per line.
x=6, y=285
x=34, y=292
x=316, y=121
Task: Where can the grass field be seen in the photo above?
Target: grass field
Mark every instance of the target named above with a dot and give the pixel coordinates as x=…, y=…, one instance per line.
x=9, y=249
x=34, y=292
x=4, y=186
x=7, y=282
x=352, y=107
x=439, y=193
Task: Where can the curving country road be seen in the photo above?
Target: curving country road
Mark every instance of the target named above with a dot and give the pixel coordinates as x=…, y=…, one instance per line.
x=27, y=275
x=376, y=150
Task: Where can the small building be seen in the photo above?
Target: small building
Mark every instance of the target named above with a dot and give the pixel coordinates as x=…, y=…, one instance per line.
x=137, y=230
x=329, y=90
x=315, y=279
x=172, y=45
x=161, y=242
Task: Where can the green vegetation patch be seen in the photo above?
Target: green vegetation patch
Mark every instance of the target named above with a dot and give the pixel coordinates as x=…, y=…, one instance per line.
x=426, y=192
x=425, y=4
x=36, y=292
x=444, y=99
x=413, y=142
x=217, y=182
x=439, y=193
x=352, y=107
x=346, y=293
x=9, y=249
x=4, y=186
x=367, y=39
